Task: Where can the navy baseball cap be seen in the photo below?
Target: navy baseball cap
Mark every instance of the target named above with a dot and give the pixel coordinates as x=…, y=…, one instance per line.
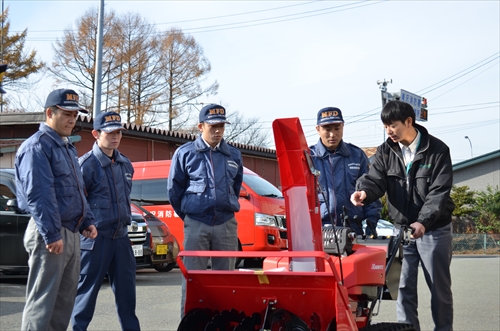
x=329, y=115
x=108, y=122
x=213, y=114
x=64, y=99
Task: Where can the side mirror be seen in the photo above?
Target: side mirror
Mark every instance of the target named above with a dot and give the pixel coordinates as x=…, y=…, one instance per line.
x=244, y=193
x=12, y=205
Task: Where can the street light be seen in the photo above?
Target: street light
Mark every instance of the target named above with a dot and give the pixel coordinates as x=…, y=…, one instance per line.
x=470, y=143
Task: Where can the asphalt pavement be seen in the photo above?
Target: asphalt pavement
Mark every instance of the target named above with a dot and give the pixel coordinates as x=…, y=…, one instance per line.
x=476, y=292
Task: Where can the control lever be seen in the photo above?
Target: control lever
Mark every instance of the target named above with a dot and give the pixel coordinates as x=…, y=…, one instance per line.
x=357, y=221
x=345, y=217
x=407, y=232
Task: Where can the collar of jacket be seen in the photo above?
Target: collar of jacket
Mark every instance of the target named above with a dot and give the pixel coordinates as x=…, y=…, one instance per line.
x=103, y=159
x=53, y=134
x=424, y=141
x=201, y=147
x=323, y=152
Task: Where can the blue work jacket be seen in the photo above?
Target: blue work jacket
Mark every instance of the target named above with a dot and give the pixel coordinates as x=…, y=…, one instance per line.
x=49, y=184
x=339, y=171
x=205, y=183
x=108, y=183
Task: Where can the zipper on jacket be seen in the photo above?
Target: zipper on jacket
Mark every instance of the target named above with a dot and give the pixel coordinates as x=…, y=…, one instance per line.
x=79, y=188
x=407, y=181
x=215, y=186
x=116, y=197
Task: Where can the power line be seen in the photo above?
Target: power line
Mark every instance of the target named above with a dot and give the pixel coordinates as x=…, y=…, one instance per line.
x=202, y=19
x=263, y=21
x=474, y=104
x=495, y=56
x=489, y=59
x=277, y=19
x=434, y=98
x=237, y=14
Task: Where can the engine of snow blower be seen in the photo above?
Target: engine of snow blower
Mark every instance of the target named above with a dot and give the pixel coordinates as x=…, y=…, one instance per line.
x=326, y=280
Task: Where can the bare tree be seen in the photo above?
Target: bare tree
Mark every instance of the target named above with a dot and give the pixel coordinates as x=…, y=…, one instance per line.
x=185, y=69
x=247, y=131
x=75, y=53
x=153, y=78
x=137, y=85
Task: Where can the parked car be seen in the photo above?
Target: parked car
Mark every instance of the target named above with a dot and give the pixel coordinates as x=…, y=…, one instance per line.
x=153, y=244
x=261, y=219
x=163, y=248
x=385, y=229
x=13, y=223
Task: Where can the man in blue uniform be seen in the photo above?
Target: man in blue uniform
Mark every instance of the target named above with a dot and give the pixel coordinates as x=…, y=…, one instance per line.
x=204, y=185
x=50, y=187
x=108, y=179
x=340, y=165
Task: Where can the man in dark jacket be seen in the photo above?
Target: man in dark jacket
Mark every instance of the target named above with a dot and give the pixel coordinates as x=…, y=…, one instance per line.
x=204, y=186
x=415, y=170
x=50, y=187
x=340, y=165
x=108, y=179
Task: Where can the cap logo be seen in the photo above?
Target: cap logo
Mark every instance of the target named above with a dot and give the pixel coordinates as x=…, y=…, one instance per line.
x=329, y=113
x=71, y=97
x=112, y=118
x=216, y=111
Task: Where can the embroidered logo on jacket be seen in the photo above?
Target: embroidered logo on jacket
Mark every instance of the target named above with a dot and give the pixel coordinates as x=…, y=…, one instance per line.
x=355, y=166
x=232, y=164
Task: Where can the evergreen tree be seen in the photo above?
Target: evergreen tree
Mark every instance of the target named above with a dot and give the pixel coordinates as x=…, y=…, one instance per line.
x=21, y=62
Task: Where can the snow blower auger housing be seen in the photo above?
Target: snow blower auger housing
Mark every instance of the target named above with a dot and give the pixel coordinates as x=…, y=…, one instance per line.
x=326, y=281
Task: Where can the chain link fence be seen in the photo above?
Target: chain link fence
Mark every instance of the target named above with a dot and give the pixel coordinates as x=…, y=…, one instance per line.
x=476, y=243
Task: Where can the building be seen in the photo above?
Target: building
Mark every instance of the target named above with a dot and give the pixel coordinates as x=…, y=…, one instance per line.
x=139, y=143
x=478, y=172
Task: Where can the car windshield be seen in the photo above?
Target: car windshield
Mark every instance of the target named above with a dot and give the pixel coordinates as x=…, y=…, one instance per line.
x=262, y=187
x=150, y=192
x=154, y=191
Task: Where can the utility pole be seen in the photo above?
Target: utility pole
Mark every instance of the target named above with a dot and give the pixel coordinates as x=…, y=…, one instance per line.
x=98, y=63
x=382, y=85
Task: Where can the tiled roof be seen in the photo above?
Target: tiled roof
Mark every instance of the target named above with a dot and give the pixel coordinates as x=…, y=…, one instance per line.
x=180, y=135
x=369, y=151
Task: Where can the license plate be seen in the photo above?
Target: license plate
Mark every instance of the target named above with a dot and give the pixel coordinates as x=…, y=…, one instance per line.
x=137, y=250
x=161, y=249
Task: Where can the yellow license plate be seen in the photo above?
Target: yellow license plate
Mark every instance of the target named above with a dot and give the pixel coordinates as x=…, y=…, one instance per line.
x=161, y=249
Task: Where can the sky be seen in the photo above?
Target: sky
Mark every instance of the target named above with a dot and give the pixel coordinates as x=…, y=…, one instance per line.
x=277, y=59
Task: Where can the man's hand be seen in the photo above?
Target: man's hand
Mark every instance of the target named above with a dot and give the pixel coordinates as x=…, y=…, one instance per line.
x=90, y=232
x=56, y=247
x=419, y=230
x=358, y=197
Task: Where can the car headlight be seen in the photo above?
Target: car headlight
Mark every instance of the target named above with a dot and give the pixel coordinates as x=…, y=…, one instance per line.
x=158, y=240
x=264, y=219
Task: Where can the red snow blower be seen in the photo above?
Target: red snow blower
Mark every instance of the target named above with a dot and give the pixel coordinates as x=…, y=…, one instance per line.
x=326, y=281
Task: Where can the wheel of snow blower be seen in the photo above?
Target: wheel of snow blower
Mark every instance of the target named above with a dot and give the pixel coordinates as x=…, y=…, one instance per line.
x=225, y=320
x=389, y=327
x=196, y=320
x=282, y=319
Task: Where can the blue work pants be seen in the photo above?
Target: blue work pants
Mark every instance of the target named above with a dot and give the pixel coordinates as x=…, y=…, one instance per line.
x=115, y=258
